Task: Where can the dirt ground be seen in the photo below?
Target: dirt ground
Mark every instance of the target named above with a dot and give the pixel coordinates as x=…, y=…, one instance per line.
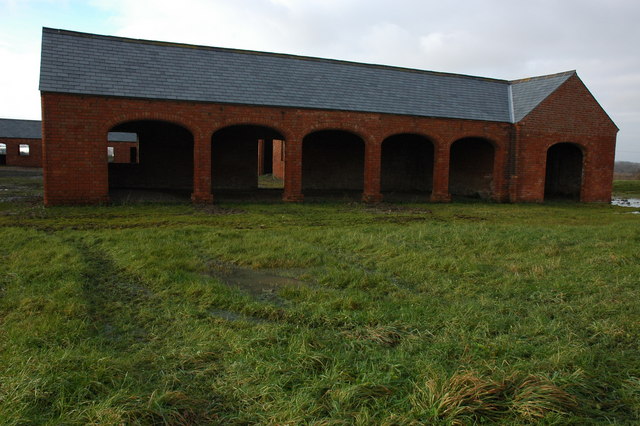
x=20, y=183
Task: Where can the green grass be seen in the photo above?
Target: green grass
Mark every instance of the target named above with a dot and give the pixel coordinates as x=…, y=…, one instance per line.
x=398, y=314
x=627, y=188
x=270, y=181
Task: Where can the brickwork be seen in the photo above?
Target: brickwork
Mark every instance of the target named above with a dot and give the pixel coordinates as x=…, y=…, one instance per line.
x=75, y=139
x=122, y=152
x=278, y=159
x=13, y=156
x=570, y=114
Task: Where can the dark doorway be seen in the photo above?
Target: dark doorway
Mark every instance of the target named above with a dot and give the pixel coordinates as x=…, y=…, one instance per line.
x=242, y=162
x=332, y=163
x=163, y=162
x=563, y=177
x=471, y=168
x=133, y=155
x=406, y=166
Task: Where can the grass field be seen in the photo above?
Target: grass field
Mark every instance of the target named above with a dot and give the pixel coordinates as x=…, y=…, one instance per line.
x=325, y=313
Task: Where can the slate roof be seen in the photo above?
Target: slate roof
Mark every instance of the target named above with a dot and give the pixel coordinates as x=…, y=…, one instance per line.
x=20, y=129
x=528, y=93
x=122, y=137
x=82, y=63
x=32, y=129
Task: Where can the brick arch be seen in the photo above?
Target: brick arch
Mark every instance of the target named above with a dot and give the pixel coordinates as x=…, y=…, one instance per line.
x=284, y=133
x=496, y=144
x=149, y=116
x=583, y=147
x=435, y=140
x=338, y=128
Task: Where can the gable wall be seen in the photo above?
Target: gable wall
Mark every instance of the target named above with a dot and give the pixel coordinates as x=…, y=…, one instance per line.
x=570, y=114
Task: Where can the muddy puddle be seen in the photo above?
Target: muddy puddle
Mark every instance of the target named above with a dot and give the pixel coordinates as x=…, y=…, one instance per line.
x=627, y=202
x=260, y=284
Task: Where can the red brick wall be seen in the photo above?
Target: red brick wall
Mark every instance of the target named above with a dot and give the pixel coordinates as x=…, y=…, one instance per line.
x=278, y=159
x=261, y=155
x=570, y=114
x=13, y=157
x=122, y=151
x=75, y=139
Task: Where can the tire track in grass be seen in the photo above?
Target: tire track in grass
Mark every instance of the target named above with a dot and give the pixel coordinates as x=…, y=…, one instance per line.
x=125, y=316
x=114, y=299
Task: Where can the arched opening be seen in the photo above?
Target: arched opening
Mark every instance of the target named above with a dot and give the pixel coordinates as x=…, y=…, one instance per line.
x=563, y=177
x=247, y=158
x=332, y=164
x=471, y=168
x=150, y=160
x=406, y=166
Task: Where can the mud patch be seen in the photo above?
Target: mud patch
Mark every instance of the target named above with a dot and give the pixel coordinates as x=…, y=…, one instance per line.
x=233, y=316
x=141, y=196
x=400, y=219
x=260, y=284
x=212, y=209
x=388, y=209
x=20, y=184
x=469, y=218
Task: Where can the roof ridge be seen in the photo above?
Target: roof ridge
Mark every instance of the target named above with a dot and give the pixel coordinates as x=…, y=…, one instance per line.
x=19, y=119
x=271, y=54
x=542, y=77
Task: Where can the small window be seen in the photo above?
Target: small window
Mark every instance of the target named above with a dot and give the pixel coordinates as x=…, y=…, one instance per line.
x=110, y=154
x=3, y=149
x=24, y=149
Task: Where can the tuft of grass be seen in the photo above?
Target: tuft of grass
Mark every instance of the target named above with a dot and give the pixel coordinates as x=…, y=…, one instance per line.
x=466, y=397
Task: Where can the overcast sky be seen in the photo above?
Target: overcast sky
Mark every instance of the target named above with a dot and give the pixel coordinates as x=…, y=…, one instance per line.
x=506, y=39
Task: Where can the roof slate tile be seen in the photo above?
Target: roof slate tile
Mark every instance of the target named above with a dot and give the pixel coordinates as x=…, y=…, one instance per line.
x=113, y=66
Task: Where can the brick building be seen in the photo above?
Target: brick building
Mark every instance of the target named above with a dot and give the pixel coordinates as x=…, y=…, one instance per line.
x=207, y=118
x=20, y=143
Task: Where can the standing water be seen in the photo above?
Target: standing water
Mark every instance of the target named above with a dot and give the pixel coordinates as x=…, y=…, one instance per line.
x=627, y=202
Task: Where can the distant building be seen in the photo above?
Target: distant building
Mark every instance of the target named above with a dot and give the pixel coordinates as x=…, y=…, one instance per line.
x=21, y=144
x=210, y=120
